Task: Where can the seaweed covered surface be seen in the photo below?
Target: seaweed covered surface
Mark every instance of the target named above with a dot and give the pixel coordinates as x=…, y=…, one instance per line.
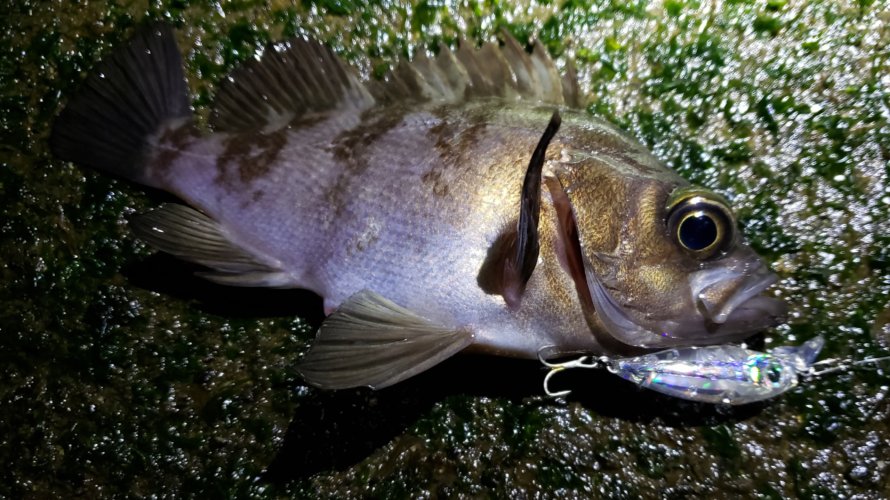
x=123, y=375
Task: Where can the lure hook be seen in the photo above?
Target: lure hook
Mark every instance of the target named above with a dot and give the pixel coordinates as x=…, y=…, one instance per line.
x=581, y=362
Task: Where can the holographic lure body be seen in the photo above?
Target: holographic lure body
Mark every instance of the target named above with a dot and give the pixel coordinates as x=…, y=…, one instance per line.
x=720, y=374
x=726, y=374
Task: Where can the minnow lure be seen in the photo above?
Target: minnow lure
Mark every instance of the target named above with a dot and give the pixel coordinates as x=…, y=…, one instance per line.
x=727, y=374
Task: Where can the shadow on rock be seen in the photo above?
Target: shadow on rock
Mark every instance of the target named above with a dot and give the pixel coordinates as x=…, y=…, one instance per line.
x=334, y=430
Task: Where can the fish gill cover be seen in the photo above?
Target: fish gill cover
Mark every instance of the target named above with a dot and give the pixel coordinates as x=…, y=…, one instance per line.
x=124, y=375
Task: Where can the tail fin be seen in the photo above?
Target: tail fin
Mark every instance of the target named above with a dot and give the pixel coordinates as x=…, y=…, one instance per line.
x=126, y=100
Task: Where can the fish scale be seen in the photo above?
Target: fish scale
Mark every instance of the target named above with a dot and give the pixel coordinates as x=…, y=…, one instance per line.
x=464, y=202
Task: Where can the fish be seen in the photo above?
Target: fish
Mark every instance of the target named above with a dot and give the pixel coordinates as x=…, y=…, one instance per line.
x=466, y=202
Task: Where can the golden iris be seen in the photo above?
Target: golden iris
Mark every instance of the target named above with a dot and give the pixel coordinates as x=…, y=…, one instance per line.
x=700, y=222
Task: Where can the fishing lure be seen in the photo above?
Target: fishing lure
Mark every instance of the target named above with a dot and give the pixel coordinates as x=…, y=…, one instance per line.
x=726, y=374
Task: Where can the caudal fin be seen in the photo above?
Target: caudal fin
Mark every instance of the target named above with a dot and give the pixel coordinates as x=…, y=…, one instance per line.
x=126, y=100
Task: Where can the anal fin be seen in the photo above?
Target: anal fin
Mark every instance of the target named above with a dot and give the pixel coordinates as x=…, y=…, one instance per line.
x=195, y=237
x=371, y=341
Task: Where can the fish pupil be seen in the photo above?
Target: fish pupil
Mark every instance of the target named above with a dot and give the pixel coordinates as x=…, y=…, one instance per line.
x=698, y=231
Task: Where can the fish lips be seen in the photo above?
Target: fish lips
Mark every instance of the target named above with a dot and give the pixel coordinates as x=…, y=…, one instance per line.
x=723, y=290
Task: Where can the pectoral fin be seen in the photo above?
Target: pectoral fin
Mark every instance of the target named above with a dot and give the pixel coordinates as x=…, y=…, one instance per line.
x=527, y=244
x=512, y=258
x=371, y=341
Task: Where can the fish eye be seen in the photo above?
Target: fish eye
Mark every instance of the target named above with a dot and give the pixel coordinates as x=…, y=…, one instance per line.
x=702, y=225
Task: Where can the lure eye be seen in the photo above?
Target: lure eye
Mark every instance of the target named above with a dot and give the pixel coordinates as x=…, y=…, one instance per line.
x=701, y=225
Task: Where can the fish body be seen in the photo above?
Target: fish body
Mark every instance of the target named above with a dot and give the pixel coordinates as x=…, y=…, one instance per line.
x=406, y=203
x=417, y=208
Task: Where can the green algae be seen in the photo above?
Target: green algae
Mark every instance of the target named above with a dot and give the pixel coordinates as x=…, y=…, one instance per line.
x=122, y=375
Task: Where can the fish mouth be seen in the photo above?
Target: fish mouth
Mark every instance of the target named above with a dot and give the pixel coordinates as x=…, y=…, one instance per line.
x=728, y=298
x=733, y=291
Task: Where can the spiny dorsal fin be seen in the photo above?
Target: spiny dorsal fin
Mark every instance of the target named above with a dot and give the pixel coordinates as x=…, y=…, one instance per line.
x=548, y=76
x=453, y=74
x=289, y=81
x=571, y=90
x=192, y=236
x=520, y=65
x=304, y=78
x=371, y=341
x=438, y=79
x=487, y=70
x=507, y=72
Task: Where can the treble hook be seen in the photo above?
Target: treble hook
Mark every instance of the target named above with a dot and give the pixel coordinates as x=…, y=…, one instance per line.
x=581, y=362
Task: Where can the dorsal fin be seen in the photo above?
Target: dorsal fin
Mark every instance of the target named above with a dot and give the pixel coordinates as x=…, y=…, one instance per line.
x=303, y=78
x=548, y=76
x=520, y=64
x=452, y=72
x=290, y=80
x=571, y=90
x=507, y=72
x=488, y=73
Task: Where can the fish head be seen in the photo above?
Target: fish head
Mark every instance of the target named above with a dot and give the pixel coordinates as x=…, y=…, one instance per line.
x=656, y=262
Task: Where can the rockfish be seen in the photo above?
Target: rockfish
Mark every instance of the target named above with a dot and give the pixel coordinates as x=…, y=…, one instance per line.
x=463, y=203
